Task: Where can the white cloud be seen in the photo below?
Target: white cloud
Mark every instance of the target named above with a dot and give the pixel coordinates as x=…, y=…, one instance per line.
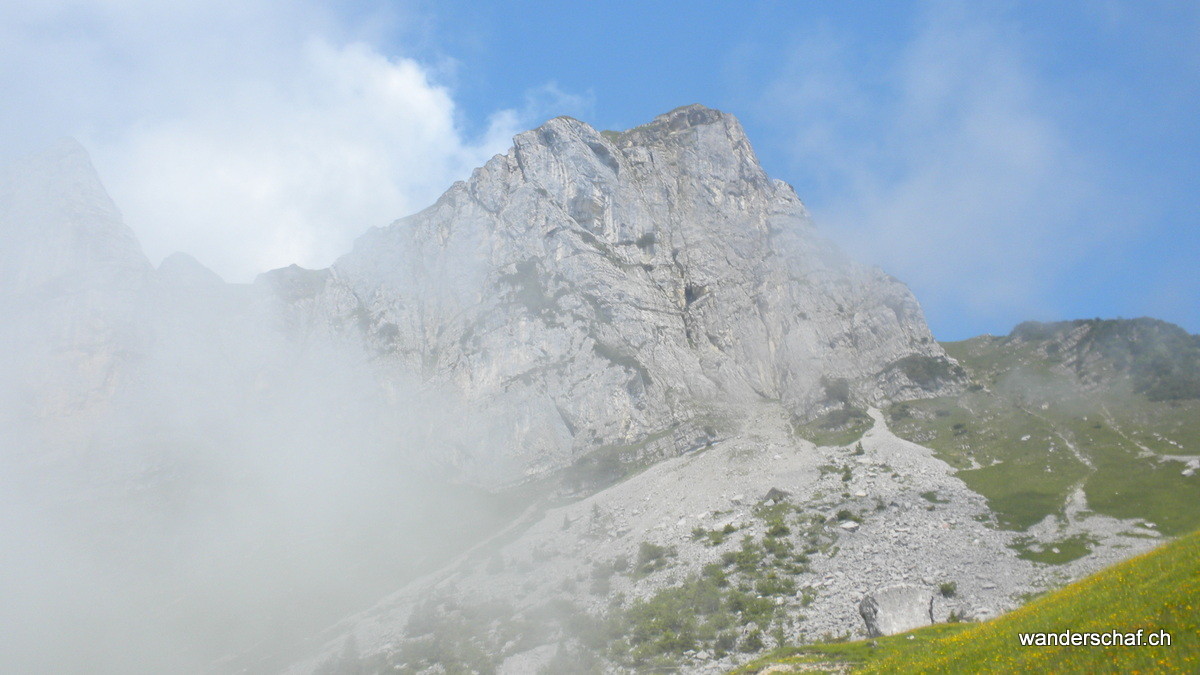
x=291, y=171
x=951, y=170
x=250, y=135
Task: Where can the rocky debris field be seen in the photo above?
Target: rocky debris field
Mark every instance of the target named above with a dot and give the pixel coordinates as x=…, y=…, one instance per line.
x=781, y=538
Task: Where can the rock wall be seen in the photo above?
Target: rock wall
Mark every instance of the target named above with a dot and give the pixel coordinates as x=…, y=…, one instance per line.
x=598, y=288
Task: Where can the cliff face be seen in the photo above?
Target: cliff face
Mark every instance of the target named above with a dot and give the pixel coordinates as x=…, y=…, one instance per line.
x=586, y=289
x=73, y=283
x=598, y=288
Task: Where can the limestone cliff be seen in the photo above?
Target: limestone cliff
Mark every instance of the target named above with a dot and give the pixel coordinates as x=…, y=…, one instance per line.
x=73, y=284
x=601, y=288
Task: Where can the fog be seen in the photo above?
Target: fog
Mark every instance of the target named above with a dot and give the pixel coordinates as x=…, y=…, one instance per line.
x=187, y=484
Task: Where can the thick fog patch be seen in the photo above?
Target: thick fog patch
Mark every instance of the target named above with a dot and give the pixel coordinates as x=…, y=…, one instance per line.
x=238, y=491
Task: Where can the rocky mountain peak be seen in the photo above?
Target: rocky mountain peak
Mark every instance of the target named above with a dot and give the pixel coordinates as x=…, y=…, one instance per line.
x=61, y=227
x=610, y=288
x=184, y=271
x=56, y=187
x=74, y=283
x=680, y=142
x=1159, y=359
x=690, y=125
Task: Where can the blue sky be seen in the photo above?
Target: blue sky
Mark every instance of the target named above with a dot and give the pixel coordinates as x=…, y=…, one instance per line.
x=1008, y=160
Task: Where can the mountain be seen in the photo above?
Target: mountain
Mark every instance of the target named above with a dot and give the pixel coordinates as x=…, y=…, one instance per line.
x=1059, y=416
x=582, y=292
x=610, y=403
x=1052, y=462
x=73, y=283
x=635, y=289
x=1155, y=358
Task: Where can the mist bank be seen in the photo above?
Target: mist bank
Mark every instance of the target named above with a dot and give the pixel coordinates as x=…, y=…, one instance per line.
x=184, y=476
x=230, y=487
x=197, y=470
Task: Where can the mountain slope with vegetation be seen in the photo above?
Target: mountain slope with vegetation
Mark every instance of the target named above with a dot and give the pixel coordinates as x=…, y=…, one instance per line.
x=1106, y=410
x=1156, y=591
x=1055, y=461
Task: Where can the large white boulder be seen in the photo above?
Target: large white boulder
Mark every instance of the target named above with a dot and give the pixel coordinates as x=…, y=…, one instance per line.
x=897, y=609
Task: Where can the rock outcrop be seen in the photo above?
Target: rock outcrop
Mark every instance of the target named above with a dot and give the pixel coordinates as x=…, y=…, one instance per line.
x=74, y=285
x=599, y=289
x=897, y=609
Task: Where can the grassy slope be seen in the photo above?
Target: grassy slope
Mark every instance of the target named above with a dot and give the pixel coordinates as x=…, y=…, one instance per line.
x=1029, y=434
x=839, y=427
x=1157, y=590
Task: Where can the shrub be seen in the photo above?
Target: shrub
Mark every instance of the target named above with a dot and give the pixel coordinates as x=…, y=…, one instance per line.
x=725, y=642
x=928, y=371
x=652, y=557
x=775, y=547
x=773, y=585
x=747, y=559
x=753, y=642
x=716, y=573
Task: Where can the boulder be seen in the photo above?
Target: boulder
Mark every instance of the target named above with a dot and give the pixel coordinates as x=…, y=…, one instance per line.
x=775, y=495
x=897, y=609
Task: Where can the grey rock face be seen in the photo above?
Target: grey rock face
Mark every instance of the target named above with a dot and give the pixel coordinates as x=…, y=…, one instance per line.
x=584, y=290
x=73, y=283
x=897, y=609
x=589, y=289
